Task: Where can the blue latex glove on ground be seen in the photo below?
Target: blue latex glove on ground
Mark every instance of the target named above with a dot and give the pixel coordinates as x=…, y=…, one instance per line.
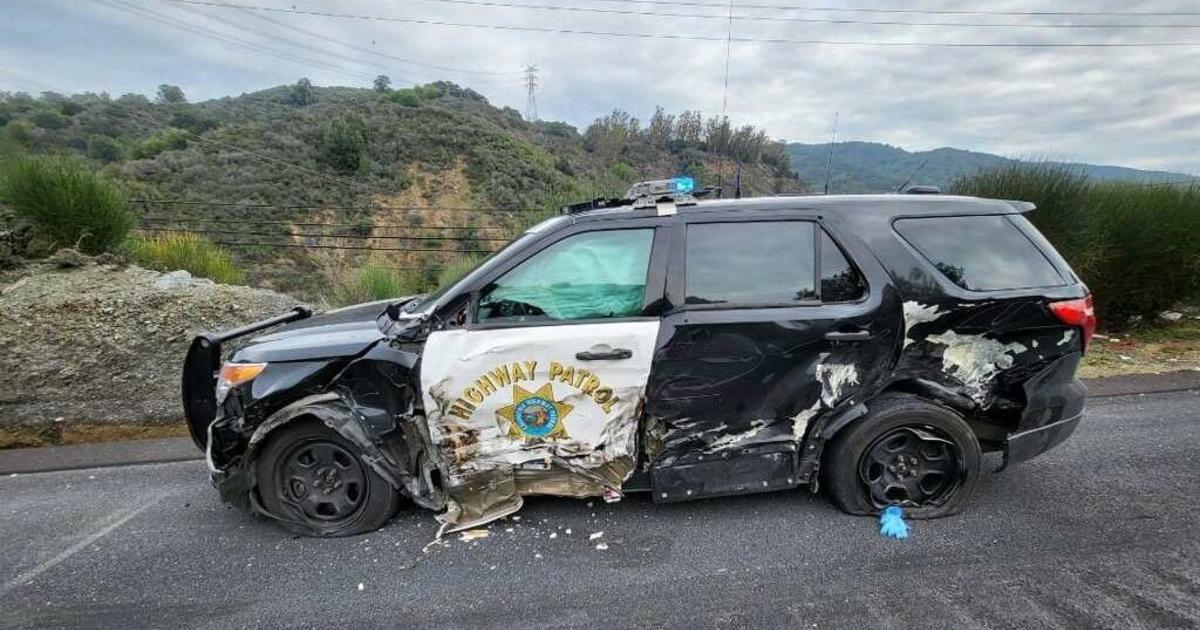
x=891, y=523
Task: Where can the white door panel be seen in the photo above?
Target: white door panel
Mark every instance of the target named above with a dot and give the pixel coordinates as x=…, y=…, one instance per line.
x=513, y=396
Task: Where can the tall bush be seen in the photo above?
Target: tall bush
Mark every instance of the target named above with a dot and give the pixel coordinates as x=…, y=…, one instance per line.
x=457, y=268
x=194, y=254
x=1135, y=245
x=371, y=282
x=67, y=203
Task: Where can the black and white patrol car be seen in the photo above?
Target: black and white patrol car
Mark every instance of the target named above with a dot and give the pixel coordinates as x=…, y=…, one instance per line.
x=873, y=346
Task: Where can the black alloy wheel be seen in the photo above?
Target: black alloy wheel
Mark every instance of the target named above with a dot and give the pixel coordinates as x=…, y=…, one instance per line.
x=911, y=466
x=907, y=451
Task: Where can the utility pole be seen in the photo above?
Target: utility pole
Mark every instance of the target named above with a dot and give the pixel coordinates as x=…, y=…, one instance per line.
x=829, y=163
x=531, y=114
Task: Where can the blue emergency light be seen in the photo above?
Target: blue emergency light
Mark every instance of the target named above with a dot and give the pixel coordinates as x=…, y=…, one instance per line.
x=683, y=185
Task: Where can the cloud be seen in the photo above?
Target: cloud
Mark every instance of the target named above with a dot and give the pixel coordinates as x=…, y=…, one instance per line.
x=1132, y=106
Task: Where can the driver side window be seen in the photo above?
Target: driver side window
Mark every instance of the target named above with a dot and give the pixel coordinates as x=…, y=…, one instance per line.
x=594, y=275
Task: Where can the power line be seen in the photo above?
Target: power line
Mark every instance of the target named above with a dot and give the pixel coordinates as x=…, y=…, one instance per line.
x=828, y=9
x=310, y=235
x=765, y=18
x=374, y=226
x=351, y=247
x=375, y=52
x=382, y=206
x=207, y=32
x=685, y=37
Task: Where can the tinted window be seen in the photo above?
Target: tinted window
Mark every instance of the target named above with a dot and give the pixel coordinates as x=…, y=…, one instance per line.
x=750, y=263
x=980, y=253
x=586, y=276
x=840, y=282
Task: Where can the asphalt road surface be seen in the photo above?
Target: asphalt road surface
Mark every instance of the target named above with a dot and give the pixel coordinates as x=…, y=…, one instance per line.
x=1102, y=532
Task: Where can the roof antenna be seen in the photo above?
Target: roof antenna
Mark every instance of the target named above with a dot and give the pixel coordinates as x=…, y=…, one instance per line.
x=914, y=174
x=829, y=162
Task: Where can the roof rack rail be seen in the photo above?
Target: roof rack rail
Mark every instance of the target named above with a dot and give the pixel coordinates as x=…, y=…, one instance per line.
x=679, y=191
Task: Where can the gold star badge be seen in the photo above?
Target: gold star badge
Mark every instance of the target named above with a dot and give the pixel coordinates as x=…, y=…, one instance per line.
x=535, y=415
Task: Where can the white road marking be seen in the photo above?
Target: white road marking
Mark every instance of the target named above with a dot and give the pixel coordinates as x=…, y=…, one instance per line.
x=28, y=576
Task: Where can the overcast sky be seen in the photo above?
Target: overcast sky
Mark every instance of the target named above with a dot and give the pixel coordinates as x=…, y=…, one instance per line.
x=1134, y=106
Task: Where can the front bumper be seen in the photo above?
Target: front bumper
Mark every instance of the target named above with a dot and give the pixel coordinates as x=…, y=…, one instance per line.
x=1029, y=444
x=199, y=382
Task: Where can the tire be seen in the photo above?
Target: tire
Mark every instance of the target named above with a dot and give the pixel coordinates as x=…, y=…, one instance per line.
x=906, y=451
x=313, y=482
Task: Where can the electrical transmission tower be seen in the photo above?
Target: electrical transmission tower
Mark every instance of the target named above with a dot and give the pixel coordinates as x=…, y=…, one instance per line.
x=531, y=114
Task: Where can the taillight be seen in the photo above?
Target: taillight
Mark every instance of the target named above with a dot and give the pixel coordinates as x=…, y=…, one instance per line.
x=1077, y=313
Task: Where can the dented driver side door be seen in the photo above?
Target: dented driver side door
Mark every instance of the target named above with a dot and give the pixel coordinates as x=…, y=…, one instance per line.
x=540, y=393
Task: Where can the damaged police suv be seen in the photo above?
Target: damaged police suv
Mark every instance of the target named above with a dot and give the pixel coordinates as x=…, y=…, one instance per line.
x=873, y=346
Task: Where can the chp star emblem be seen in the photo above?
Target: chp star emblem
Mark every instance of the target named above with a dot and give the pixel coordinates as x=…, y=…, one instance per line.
x=535, y=415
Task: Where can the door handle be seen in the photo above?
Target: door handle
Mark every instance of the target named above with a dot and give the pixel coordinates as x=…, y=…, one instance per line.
x=601, y=352
x=855, y=335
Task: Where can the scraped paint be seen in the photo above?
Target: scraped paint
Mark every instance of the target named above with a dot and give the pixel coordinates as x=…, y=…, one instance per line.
x=916, y=313
x=974, y=359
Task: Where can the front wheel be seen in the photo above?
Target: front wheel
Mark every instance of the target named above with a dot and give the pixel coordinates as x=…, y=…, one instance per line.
x=313, y=481
x=907, y=452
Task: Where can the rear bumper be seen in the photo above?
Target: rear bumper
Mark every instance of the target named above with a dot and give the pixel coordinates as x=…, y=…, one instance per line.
x=1029, y=444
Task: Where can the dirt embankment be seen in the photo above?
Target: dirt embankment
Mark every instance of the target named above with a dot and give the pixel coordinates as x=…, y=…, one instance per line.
x=93, y=351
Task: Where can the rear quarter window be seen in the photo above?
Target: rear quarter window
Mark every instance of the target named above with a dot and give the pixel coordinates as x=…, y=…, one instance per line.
x=981, y=252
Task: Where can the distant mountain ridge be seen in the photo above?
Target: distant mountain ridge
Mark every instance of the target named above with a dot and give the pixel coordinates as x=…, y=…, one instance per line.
x=862, y=167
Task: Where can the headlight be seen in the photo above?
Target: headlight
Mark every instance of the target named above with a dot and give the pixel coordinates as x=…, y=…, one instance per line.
x=234, y=374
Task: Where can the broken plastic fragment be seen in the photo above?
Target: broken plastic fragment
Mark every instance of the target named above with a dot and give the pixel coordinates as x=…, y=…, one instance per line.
x=601, y=546
x=891, y=523
x=595, y=535
x=611, y=495
x=473, y=534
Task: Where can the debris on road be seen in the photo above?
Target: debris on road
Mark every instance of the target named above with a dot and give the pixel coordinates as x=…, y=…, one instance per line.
x=595, y=535
x=891, y=523
x=601, y=546
x=473, y=534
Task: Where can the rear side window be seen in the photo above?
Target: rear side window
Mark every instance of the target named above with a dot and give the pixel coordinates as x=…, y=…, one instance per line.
x=980, y=253
x=840, y=282
x=771, y=262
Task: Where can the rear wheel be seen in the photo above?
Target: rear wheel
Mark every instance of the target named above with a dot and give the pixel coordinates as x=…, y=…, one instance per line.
x=313, y=480
x=907, y=452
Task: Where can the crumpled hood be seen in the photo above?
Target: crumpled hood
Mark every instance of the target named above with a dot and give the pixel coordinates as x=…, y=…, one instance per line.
x=337, y=333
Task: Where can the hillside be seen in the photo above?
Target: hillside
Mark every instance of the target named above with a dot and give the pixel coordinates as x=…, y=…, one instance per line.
x=875, y=167
x=301, y=181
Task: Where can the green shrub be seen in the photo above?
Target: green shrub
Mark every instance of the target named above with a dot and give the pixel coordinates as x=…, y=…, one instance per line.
x=371, y=282
x=456, y=268
x=406, y=98
x=104, y=148
x=169, y=139
x=1134, y=245
x=190, y=252
x=67, y=204
x=344, y=143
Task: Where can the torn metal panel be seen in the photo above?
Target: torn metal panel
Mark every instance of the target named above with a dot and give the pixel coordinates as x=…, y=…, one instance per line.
x=501, y=403
x=974, y=360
